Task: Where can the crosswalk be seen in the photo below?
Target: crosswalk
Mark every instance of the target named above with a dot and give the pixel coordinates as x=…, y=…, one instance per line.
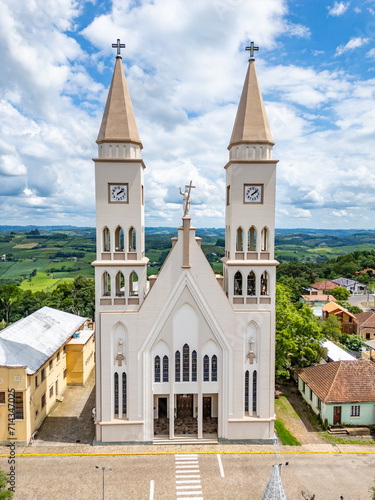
x=188, y=477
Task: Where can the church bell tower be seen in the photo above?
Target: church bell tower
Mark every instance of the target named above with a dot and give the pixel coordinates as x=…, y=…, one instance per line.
x=249, y=265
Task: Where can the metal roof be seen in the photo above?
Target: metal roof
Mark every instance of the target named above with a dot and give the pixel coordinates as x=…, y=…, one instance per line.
x=31, y=341
x=335, y=352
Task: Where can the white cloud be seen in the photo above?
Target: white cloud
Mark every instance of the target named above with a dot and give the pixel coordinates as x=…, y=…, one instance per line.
x=338, y=9
x=354, y=43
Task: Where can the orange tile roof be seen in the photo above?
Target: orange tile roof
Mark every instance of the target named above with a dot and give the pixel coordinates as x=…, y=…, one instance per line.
x=319, y=298
x=324, y=285
x=341, y=381
x=331, y=308
x=365, y=271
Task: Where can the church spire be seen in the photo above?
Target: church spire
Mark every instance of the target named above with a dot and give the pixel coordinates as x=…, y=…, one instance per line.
x=118, y=123
x=251, y=124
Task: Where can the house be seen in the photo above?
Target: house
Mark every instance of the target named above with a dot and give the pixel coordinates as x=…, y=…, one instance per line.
x=35, y=360
x=366, y=325
x=186, y=351
x=322, y=287
x=341, y=392
x=350, y=285
x=336, y=353
x=347, y=320
x=316, y=300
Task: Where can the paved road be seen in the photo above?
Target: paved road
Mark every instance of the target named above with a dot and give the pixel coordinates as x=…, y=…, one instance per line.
x=245, y=477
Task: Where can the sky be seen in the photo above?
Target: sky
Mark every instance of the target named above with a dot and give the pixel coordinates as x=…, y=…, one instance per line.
x=185, y=64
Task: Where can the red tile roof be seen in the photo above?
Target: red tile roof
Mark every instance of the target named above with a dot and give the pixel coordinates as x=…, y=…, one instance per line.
x=341, y=381
x=365, y=319
x=324, y=285
x=319, y=298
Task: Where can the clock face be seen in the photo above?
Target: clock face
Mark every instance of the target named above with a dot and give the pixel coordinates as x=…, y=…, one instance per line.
x=118, y=193
x=253, y=193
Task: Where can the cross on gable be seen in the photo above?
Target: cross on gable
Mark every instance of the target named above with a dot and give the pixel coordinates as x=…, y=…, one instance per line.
x=252, y=49
x=120, y=358
x=118, y=46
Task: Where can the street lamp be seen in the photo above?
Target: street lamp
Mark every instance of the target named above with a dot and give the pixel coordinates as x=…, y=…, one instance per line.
x=103, y=469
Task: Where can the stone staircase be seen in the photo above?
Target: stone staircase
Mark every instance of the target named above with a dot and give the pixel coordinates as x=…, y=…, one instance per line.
x=161, y=426
x=187, y=425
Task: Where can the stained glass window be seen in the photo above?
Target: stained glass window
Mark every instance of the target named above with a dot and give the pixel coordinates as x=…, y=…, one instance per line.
x=116, y=393
x=194, y=366
x=186, y=362
x=177, y=366
x=124, y=408
x=251, y=283
x=254, y=391
x=206, y=369
x=157, y=369
x=165, y=369
x=214, y=368
x=247, y=391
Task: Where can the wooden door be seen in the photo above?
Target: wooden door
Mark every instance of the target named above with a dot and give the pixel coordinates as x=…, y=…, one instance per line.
x=184, y=405
x=206, y=406
x=337, y=415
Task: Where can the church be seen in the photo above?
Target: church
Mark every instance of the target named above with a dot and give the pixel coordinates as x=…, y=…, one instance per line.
x=186, y=352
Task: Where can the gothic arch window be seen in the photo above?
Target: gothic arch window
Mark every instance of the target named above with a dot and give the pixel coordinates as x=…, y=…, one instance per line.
x=124, y=394
x=101, y=152
x=214, y=368
x=116, y=394
x=120, y=284
x=264, y=239
x=261, y=153
x=177, y=366
x=251, y=283
x=117, y=151
x=132, y=240
x=106, y=284
x=254, y=391
x=110, y=151
x=254, y=152
x=106, y=240
x=157, y=369
x=247, y=156
x=206, y=369
x=264, y=283
x=194, y=366
x=124, y=151
x=165, y=369
x=133, y=284
x=185, y=363
x=247, y=391
x=238, y=283
x=119, y=239
x=252, y=241
x=239, y=240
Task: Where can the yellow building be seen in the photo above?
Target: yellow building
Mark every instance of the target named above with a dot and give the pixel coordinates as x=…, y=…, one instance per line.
x=35, y=359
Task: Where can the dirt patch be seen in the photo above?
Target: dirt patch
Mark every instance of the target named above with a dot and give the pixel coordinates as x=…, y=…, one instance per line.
x=291, y=410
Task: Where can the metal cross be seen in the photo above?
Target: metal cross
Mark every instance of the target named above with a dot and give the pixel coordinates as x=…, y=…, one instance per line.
x=118, y=46
x=251, y=48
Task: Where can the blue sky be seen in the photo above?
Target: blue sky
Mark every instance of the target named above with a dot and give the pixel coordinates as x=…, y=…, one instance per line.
x=185, y=64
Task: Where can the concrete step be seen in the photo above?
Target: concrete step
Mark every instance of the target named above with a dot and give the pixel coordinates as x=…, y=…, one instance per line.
x=186, y=439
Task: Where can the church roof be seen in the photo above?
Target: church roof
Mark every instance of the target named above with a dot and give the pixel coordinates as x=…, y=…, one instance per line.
x=31, y=341
x=251, y=124
x=118, y=123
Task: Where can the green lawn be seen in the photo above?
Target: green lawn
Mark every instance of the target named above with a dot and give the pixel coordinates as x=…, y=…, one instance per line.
x=285, y=436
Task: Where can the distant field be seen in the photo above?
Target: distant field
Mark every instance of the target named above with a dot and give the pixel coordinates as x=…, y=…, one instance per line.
x=42, y=282
x=26, y=245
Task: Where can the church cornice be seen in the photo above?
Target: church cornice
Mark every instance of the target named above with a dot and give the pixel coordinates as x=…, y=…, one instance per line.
x=252, y=263
x=121, y=263
x=119, y=160
x=252, y=162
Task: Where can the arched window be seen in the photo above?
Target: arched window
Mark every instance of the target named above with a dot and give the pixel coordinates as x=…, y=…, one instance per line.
x=239, y=240
x=247, y=391
x=116, y=393
x=251, y=283
x=106, y=240
x=264, y=239
x=206, y=369
x=106, y=284
x=157, y=369
x=133, y=284
x=194, y=366
x=132, y=240
x=119, y=239
x=120, y=284
x=165, y=369
x=238, y=283
x=214, y=368
x=185, y=363
x=124, y=405
x=254, y=391
x=264, y=284
x=252, y=241
x=177, y=367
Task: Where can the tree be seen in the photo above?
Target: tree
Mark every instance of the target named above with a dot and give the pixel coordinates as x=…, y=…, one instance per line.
x=331, y=327
x=298, y=334
x=340, y=293
x=9, y=294
x=4, y=492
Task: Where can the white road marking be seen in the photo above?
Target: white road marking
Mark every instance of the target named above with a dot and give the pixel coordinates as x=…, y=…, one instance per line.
x=188, y=479
x=220, y=466
x=152, y=487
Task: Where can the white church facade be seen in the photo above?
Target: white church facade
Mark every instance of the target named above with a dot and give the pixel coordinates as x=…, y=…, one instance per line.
x=186, y=352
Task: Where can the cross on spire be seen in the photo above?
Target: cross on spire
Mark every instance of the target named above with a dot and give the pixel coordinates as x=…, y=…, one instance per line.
x=252, y=49
x=118, y=46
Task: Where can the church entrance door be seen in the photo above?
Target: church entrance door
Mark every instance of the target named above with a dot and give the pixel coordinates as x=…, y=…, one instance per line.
x=162, y=407
x=206, y=407
x=185, y=422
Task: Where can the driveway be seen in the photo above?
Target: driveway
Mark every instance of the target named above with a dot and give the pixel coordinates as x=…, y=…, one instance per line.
x=70, y=421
